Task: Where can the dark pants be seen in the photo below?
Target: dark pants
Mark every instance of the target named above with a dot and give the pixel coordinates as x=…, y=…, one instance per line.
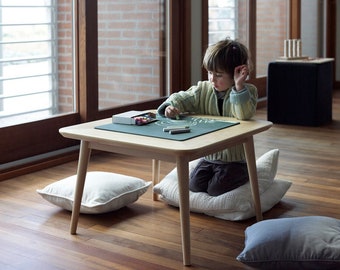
x=216, y=179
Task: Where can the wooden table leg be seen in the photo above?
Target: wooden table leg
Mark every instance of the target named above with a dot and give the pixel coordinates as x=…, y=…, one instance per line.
x=155, y=176
x=252, y=170
x=184, y=207
x=84, y=156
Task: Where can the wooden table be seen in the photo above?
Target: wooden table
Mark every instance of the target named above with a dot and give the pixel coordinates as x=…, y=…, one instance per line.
x=180, y=152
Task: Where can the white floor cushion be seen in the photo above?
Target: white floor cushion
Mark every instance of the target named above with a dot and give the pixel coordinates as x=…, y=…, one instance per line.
x=236, y=204
x=103, y=192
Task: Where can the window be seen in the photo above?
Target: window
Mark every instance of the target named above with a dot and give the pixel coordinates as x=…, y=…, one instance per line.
x=222, y=20
x=262, y=27
x=112, y=60
x=271, y=31
x=230, y=19
x=36, y=79
x=36, y=71
x=128, y=72
x=227, y=19
x=130, y=51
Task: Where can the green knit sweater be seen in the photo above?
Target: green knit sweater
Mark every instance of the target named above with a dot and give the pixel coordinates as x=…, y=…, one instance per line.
x=202, y=99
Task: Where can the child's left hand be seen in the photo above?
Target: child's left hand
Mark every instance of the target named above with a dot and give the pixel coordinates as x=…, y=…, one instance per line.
x=240, y=75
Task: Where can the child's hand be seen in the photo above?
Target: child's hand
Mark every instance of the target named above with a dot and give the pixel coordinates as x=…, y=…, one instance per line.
x=171, y=112
x=240, y=75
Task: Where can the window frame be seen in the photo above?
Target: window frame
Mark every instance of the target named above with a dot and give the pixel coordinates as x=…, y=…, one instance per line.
x=26, y=58
x=35, y=145
x=41, y=139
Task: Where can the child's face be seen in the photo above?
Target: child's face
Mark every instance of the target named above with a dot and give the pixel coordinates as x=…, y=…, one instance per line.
x=220, y=80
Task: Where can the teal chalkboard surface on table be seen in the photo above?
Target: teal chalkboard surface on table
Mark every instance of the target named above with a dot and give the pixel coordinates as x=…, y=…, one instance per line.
x=198, y=126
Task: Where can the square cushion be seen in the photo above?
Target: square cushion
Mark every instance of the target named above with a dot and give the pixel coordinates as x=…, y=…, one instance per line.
x=103, y=192
x=293, y=243
x=236, y=204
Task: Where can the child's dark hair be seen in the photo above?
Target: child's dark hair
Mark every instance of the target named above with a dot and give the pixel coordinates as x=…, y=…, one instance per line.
x=225, y=55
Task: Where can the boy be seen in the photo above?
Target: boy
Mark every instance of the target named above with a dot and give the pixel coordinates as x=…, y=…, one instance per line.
x=226, y=94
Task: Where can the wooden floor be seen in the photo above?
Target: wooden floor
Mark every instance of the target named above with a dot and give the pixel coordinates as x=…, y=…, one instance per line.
x=146, y=235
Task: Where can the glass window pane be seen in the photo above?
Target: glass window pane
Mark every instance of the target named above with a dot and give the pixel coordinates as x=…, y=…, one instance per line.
x=26, y=14
x=228, y=19
x=271, y=31
x=36, y=60
x=130, y=51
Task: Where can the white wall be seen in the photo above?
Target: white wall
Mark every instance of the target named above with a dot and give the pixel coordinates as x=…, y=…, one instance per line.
x=311, y=30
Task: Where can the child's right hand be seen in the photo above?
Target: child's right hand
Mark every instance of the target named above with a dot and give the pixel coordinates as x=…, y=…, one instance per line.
x=171, y=112
x=240, y=75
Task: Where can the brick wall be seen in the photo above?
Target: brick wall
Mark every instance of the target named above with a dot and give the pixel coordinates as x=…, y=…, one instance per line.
x=129, y=42
x=129, y=51
x=271, y=24
x=65, y=66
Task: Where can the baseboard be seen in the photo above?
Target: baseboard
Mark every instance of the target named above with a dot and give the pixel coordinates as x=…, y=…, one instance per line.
x=36, y=163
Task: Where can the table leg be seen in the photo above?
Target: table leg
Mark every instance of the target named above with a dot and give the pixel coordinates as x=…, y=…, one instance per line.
x=84, y=155
x=155, y=176
x=252, y=170
x=182, y=164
